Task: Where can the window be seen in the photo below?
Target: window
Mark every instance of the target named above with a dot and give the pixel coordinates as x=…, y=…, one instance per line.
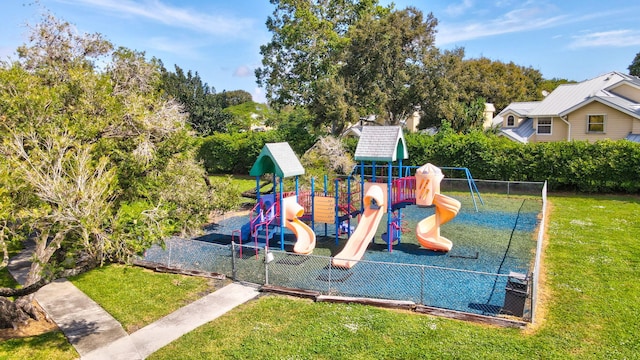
x=544, y=126
x=511, y=120
x=595, y=123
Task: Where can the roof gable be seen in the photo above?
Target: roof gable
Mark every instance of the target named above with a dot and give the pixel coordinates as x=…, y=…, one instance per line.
x=279, y=159
x=569, y=97
x=381, y=143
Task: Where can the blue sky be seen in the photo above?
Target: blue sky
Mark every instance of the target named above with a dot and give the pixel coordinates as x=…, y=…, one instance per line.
x=220, y=39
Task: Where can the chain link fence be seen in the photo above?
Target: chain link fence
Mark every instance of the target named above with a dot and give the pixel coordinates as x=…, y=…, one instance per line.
x=453, y=289
x=466, y=291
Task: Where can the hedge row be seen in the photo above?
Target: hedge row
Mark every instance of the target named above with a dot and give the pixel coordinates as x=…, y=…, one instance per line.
x=227, y=153
x=602, y=166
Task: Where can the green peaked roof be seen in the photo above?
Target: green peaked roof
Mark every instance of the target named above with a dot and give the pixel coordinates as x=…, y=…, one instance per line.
x=279, y=159
x=381, y=143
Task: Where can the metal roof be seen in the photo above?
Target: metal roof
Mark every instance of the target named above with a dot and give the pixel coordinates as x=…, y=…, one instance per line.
x=522, y=133
x=633, y=137
x=279, y=159
x=381, y=143
x=569, y=97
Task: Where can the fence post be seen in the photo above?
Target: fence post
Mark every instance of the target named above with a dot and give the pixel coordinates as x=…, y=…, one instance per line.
x=330, y=267
x=233, y=260
x=169, y=261
x=266, y=269
x=422, y=285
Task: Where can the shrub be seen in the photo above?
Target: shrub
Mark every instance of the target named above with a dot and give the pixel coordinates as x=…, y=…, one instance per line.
x=601, y=166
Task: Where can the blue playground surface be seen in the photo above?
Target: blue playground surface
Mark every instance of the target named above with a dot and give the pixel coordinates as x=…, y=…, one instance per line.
x=499, y=238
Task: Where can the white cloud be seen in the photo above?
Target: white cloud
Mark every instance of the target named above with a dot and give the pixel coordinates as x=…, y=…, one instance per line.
x=518, y=20
x=614, y=38
x=459, y=9
x=156, y=10
x=242, y=71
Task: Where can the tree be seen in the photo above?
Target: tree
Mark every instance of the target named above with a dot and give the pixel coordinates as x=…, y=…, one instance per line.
x=386, y=55
x=634, y=68
x=91, y=159
x=226, y=99
x=247, y=114
x=345, y=59
x=499, y=83
x=469, y=117
x=300, y=64
x=203, y=105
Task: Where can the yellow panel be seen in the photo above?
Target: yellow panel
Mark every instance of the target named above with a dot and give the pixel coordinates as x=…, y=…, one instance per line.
x=324, y=210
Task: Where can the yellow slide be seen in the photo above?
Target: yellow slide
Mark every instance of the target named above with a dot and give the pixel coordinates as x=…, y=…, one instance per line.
x=305, y=237
x=367, y=227
x=428, y=230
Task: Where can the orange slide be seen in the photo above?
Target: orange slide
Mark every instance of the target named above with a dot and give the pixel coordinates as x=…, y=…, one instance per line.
x=428, y=230
x=305, y=237
x=367, y=227
x=428, y=178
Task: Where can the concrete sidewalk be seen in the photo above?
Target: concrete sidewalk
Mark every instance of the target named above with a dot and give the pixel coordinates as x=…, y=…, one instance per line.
x=95, y=334
x=160, y=333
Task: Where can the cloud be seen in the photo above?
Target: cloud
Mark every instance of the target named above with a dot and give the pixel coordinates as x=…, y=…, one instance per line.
x=242, y=71
x=157, y=11
x=459, y=9
x=517, y=20
x=613, y=38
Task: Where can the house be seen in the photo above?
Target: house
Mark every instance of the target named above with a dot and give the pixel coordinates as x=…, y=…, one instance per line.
x=605, y=107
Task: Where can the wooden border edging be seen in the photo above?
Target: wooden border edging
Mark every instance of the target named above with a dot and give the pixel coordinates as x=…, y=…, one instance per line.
x=309, y=294
x=397, y=304
x=164, y=269
x=393, y=304
x=458, y=315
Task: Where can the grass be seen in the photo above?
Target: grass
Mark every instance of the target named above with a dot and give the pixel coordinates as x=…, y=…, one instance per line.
x=591, y=308
x=51, y=345
x=244, y=183
x=137, y=297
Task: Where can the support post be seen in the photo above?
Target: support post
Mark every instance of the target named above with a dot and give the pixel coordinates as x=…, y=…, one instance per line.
x=337, y=209
x=389, y=200
x=281, y=219
x=313, y=204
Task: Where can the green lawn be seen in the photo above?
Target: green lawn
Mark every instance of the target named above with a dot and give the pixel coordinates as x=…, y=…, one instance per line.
x=117, y=289
x=591, y=308
x=244, y=183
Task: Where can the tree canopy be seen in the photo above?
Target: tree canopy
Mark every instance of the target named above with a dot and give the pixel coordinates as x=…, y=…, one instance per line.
x=343, y=60
x=634, y=68
x=92, y=156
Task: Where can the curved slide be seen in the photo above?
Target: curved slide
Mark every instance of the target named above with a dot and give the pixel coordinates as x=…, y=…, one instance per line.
x=428, y=230
x=305, y=237
x=363, y=234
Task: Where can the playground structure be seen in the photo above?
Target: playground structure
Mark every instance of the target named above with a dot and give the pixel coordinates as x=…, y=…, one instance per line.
x=428, y=179
x=271, y=211
x=374, y=203
x=367, y=200
x=306, y=237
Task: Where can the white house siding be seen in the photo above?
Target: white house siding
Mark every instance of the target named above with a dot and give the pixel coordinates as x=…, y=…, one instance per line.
x=617, y=124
